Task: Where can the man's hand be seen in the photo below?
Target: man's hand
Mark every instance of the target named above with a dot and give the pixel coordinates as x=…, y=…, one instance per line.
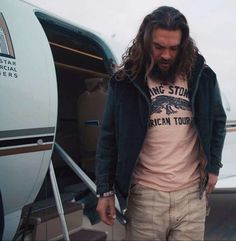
x=106, y=209
x=212, y=180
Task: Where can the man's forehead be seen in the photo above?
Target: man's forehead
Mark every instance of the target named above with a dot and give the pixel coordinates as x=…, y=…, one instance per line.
x=166, y=37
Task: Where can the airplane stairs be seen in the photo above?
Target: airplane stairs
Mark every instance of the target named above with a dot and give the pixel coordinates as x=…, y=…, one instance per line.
x=47, y=221
x=45, y=224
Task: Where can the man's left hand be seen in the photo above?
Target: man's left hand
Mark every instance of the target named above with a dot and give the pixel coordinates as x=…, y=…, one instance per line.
x=212, y=180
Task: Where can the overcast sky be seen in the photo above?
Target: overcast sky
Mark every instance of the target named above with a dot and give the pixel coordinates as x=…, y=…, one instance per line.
x=212, y=25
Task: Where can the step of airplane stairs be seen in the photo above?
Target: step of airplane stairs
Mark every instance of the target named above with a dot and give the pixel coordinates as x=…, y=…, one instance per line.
x=46, y=224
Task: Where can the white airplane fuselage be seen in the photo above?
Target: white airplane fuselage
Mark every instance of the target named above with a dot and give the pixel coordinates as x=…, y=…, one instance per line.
x=29, y=101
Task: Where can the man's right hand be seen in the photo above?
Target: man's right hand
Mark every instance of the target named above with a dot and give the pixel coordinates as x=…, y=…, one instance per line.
x=106, y=209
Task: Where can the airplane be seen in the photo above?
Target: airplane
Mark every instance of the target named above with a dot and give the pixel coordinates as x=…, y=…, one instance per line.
x=53, y=81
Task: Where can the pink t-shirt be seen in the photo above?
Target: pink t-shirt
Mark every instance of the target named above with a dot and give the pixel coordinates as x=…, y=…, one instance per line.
x=168, y=160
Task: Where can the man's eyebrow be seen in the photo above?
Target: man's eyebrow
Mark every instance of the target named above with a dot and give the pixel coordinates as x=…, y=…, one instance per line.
x=159, y=45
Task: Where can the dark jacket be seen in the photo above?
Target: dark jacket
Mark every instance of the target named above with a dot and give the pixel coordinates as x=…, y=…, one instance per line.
x=125, y=125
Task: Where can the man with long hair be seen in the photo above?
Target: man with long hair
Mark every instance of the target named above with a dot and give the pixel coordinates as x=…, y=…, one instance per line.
x=162, y=134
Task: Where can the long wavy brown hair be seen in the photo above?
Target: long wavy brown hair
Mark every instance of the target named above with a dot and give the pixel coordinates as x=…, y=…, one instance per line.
x=138, y=57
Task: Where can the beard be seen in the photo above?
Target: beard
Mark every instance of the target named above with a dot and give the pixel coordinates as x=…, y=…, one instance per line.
x=164, y=76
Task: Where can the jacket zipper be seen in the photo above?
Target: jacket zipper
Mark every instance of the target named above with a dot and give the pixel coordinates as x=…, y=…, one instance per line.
x=203, y=182
x=149, y=112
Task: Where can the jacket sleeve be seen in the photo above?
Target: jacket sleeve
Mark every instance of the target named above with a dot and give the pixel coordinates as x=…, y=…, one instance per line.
x=106, y=155
x=218, y=131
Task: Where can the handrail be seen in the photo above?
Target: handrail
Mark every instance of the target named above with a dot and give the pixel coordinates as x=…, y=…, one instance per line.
x=88, y=182
x=58, y=202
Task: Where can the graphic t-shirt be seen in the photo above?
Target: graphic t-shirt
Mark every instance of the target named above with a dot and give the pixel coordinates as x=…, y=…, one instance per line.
x=168, y=160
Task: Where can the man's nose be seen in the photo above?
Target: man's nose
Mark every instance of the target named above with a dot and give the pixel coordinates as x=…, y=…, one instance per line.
x=166, y=54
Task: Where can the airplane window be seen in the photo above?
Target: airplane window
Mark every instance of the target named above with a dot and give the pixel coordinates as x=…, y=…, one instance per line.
x=6, y=47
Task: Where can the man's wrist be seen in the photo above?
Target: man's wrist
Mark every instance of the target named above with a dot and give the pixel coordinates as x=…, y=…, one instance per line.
x=106, y=194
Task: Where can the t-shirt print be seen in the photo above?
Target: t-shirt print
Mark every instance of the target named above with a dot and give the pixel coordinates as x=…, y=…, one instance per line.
x=169, y=104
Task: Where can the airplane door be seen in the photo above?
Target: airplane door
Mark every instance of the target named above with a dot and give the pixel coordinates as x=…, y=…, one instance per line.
x=28, y=97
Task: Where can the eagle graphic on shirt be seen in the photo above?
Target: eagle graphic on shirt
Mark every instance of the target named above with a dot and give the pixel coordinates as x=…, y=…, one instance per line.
x=170, y=104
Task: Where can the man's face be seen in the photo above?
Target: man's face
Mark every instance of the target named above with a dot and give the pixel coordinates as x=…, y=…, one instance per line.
x=165, y=48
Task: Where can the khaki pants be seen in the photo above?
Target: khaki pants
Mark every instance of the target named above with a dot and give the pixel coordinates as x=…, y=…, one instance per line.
x=172, y=216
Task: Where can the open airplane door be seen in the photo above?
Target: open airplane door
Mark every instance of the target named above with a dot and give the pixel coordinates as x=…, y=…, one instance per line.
x=28, y=97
